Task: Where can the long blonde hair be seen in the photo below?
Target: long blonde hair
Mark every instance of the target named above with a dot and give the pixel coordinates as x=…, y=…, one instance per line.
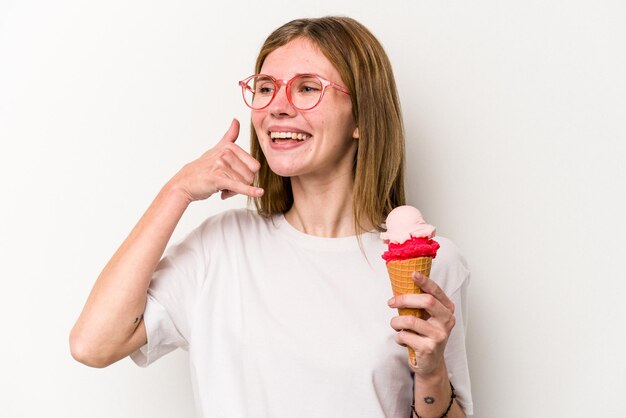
x=366, y=71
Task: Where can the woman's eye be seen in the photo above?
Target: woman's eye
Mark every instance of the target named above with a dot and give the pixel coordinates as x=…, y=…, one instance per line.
x=309, y=88
x=265, y=90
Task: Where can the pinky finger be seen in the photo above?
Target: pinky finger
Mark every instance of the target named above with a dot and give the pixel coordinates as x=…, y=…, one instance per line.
x=255, y=192
x=232, y=188
x=408, y=339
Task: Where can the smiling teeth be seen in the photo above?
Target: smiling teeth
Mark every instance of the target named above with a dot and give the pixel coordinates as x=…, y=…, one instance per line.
x=289, y=135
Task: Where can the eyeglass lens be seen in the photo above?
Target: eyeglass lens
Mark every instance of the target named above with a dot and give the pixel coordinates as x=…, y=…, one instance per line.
x=304, y=91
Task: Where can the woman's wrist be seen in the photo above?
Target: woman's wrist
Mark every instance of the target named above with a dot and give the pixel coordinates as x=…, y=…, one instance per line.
x=436, y=377
x=444, y=414
x=173, y=192
x=433, y=395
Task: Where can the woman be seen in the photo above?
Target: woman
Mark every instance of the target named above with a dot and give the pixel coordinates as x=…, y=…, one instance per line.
x=282, y=309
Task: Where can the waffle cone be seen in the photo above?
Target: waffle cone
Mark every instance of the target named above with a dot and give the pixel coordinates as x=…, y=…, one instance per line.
x=401, y=276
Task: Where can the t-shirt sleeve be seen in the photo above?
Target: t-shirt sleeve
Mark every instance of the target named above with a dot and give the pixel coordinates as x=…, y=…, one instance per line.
x=172, y=298
x=452, y=274
x=456, y=355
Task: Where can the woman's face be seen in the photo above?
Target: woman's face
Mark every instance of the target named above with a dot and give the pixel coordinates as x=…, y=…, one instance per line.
x=329, y=132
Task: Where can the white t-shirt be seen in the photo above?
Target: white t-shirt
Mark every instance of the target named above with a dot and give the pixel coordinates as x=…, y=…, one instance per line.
x=279, y=323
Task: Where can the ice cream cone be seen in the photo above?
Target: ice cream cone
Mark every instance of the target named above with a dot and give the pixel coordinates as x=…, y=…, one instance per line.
x=401, y=276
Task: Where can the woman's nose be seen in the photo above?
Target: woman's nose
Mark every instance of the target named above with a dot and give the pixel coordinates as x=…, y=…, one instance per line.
x=280, y=106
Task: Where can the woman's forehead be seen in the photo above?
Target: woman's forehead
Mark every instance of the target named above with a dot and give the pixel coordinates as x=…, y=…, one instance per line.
x=299, y=56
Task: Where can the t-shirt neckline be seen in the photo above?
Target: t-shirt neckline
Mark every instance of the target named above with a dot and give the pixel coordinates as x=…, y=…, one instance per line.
x=322, y=243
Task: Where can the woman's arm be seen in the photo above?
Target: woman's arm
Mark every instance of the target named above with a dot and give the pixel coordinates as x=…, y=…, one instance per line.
x=428, y=337
x=110, y=326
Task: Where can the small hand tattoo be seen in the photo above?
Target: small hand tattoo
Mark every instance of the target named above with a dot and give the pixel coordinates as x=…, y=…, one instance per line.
x=429, y=400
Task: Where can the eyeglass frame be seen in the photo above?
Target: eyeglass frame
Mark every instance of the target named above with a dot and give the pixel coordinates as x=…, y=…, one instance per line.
x=287, y=83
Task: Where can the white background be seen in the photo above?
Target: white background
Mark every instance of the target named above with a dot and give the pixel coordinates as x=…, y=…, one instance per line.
x=515, y=119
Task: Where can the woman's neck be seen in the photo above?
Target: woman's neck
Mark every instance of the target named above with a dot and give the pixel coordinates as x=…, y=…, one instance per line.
x=323, y=207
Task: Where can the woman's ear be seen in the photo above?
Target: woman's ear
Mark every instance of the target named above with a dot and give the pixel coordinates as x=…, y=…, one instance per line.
x=355, y=134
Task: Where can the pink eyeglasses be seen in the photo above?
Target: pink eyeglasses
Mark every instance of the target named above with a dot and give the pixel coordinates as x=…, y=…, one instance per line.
x=304, y=91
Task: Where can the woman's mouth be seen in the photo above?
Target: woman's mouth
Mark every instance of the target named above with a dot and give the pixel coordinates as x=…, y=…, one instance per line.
x=289, y=136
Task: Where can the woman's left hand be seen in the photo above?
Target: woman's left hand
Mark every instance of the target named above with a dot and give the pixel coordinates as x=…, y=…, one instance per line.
x=427, y=335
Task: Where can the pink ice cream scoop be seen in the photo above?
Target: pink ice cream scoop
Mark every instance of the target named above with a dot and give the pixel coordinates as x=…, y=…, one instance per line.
x=408, y=235
x=405, y=222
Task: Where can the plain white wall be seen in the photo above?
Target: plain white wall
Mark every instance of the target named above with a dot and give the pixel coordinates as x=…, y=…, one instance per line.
x=515, y=124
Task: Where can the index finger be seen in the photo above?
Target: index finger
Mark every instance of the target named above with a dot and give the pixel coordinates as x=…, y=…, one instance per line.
x=430, y=287
x=250, y=162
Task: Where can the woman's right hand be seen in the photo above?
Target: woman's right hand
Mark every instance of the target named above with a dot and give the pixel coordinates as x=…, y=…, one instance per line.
x=226, y=167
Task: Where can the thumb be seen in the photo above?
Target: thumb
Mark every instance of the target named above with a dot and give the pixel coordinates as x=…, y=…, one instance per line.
x=232, y=133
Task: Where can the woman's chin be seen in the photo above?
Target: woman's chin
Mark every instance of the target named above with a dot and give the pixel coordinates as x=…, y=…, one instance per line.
x=283, y=170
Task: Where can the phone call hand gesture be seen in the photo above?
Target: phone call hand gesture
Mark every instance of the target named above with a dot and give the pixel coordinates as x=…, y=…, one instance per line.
x=225, y=168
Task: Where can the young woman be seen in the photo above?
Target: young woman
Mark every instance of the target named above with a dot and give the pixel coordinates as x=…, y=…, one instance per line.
x=284, y=309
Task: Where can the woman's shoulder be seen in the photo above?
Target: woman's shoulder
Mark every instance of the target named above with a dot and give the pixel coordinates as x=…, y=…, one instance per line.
x=238, y=215
x=233, y=221
x=449, y=269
